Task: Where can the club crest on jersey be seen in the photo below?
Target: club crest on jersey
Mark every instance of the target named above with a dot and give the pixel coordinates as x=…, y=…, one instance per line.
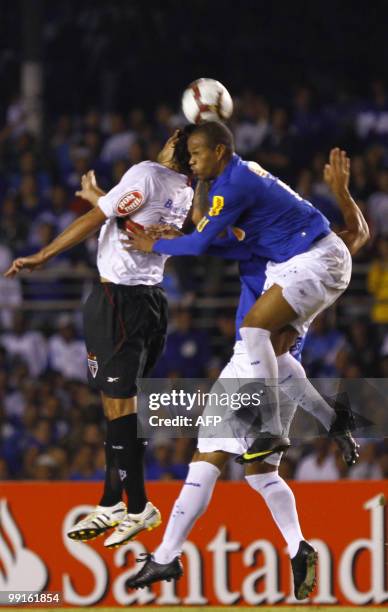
x=93, y=365
x=217, y=206
x=130, y=202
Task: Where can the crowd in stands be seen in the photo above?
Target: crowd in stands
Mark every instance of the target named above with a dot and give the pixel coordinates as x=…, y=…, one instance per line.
x=51, y=423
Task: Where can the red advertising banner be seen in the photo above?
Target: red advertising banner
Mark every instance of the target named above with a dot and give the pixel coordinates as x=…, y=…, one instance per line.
x=234, y=555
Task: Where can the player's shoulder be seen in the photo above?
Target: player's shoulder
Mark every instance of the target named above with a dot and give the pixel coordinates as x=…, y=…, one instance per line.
x=248, y=172
x=143, y=169
x=237, y=180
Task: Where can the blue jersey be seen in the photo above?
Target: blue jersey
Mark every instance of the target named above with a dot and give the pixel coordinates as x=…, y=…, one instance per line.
x=275, y=221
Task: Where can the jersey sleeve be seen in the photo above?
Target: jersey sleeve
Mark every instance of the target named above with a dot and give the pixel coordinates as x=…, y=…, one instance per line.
x=225, y=209
x=229, y=248
x=128, y=195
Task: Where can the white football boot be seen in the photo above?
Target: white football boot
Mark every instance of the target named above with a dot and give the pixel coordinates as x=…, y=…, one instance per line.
x=133, y=524
x=98, y=522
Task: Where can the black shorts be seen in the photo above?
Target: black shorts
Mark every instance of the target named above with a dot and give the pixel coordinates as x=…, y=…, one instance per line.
x=125, y=331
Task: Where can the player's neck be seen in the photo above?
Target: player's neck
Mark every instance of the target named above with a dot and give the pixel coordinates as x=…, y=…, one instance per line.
x=170, y=165
x=222, y=165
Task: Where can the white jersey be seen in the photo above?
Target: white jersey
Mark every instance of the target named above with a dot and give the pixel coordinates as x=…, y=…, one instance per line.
x=149, y=193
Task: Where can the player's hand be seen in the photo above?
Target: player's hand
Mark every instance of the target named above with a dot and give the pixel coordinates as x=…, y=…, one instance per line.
x=89, y=191
x=138, y=239
x=157, y=231
x=337, y=171
x=167, y=153
x=24, y=263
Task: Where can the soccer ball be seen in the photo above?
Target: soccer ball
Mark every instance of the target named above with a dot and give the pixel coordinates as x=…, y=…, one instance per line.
x=206, y=100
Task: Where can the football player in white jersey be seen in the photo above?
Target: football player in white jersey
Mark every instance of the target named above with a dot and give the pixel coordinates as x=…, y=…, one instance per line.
x=125, y=321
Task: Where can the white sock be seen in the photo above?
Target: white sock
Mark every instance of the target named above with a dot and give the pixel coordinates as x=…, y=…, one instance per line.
x=281, y=502
x=191, y=503
x=299, y=389
x=264, y=365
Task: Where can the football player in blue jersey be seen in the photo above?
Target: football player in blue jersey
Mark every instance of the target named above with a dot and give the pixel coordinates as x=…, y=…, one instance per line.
x=308, y=267
x=213, y=452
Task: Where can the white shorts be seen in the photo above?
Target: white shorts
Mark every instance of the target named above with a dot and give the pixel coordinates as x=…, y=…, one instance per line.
x=312, y=281
x=237, y=371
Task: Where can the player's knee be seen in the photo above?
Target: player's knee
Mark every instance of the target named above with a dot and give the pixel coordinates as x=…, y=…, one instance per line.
x=283, y=339
x=251, y=469
x=216, y=458
x=260, y=481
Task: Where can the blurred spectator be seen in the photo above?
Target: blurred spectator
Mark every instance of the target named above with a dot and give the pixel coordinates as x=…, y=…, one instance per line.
x=372, y=119
x=377, y=205
x=66, y=353
x=83, y=466
x=378, y=282
x=253, y=124
x=4, y=472
x=363, y=346
x=119, y=141
x=275, y=151
x=322, y=345
x=368, y=467
x=10, y=290
x=28, y=345
x=320, y=464
x=160, y=464
x=58, y=215
x=187, y=351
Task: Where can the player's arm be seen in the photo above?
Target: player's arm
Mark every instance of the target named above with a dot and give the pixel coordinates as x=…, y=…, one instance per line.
x=224, y=211
x=200, y=201
x=336, y=175
x=90, y=191
x=79, y=230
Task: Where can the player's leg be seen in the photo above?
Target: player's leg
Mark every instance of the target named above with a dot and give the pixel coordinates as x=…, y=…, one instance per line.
x=123, y=471
x=298, y=290
x=270, y=313
x=128, y=452
x=111, y=509
x=337, y=419
x=292, y=376
x=195, y=495
x=142, y=346
x=264, y=479
x=192, y=502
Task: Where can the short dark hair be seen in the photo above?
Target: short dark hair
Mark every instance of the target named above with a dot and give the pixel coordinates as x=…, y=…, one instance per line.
x=181, y=152
x=216, y=133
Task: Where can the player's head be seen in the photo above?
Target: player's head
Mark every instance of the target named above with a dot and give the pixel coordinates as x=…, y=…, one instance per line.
x=211, y=147
x=175, y=153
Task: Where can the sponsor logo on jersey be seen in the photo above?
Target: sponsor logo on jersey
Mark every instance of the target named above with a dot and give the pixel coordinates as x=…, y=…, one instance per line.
x=93, y=365
x=129, y=203
x=217, y=206
x=202, y=224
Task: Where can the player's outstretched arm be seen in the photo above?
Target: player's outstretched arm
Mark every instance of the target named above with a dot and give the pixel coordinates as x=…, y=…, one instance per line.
x=336, y=175
x=90, y=191
x=78, y=231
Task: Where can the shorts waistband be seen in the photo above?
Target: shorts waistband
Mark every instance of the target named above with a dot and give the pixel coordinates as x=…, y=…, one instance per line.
x=322, y=235
x=133, y=289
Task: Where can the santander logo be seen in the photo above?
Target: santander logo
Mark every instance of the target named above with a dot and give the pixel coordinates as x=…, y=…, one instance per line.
x=21, y=568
